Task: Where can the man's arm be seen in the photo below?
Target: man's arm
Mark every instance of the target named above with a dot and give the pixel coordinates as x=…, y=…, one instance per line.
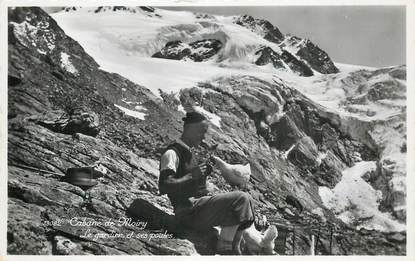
x=168, y=183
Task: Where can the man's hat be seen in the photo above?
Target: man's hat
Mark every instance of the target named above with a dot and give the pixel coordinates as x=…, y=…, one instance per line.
x=193, y=117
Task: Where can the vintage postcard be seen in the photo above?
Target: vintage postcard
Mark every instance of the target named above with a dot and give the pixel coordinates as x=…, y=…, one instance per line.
x=207, y=129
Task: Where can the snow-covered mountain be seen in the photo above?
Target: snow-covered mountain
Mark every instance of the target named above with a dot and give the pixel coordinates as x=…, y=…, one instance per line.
x=243, y=40
x=174, y=50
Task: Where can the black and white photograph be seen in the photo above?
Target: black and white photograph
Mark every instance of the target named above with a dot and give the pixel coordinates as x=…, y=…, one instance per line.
x=206, y=130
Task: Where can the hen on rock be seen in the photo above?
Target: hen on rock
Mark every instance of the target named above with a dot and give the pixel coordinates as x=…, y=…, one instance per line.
x=258, y=243
x=234, y=174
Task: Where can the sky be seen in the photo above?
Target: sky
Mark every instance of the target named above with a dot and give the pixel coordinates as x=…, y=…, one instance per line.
x=361, y=35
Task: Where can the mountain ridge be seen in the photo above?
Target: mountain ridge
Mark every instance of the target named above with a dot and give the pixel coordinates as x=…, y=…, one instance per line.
x=309, y=56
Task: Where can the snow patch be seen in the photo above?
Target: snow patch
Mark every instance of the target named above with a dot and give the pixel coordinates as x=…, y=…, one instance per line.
x=135, y=114
x=67, y=65
x=352, y=68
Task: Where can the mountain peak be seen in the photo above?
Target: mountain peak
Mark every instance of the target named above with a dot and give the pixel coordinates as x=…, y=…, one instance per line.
x=261, y=27
x=316, y=58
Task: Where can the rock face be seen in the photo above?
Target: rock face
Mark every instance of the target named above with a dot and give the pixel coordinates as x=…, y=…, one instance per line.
x=294, y=125
x=196, y=51
x=44, y=100
x=296, y=65
x=317, y=58
x=286, y=138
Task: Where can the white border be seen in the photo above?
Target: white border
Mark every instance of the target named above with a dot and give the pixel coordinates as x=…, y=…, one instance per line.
x=410, y=55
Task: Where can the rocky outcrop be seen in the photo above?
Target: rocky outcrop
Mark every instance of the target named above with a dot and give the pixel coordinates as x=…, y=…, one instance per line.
x=383, y=88
x=196, y=51
x=266, y=56
x=386, y=90
x=261, y=27
x=149, y=9
x=285, y=60
x=77, y=121
x=204, y=16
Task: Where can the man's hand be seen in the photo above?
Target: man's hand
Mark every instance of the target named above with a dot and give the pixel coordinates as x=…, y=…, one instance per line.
x=201, y=171
x=206, y=169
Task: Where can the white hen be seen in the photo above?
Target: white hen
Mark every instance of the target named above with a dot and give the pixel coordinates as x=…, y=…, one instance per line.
x=234, y=174
x=258, y=243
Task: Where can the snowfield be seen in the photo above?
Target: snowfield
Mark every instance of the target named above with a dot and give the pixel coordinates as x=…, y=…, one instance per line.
x=123, y=42
x=355, y=202
x=118, y=45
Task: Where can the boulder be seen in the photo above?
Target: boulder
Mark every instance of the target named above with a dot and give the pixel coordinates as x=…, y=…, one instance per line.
x=78, y=120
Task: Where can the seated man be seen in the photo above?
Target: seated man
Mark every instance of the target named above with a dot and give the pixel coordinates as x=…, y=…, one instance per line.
x=184, y=181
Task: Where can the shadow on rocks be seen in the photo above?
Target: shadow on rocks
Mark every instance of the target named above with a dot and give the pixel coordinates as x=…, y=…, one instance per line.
x=142, y=210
